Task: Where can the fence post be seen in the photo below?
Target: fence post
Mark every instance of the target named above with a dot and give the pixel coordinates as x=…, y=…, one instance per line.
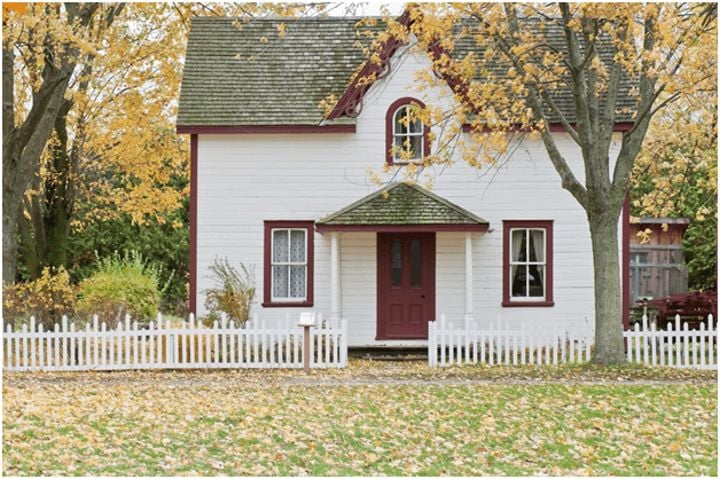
x=343, y=343
x=686, y=344
x=170, y=347
x=711, y=341
x=431, y=344
x=33, y=335
x=653, y=343
x=645, y=341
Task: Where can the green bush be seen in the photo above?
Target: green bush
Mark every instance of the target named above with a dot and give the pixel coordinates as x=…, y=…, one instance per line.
x=233, y=293
x=120, y=286
x=163, y=245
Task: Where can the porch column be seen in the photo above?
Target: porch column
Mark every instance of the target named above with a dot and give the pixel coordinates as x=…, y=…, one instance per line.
x=468, y=278
x=335, y=313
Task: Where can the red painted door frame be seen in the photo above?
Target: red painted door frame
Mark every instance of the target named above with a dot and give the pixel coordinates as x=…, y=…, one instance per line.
x=403, y=310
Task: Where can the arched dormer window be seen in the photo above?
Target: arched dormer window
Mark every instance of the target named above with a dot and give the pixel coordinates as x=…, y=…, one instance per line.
x=406, y=137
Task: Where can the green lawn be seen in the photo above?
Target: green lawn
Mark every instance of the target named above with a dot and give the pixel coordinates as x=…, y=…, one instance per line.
x=248, y=423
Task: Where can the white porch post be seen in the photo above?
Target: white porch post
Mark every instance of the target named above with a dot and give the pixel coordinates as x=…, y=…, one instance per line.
x=468, y=278
x=335, y=312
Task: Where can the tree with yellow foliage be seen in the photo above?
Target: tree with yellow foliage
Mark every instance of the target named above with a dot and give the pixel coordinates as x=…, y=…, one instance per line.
x=675, y=175
x=98, y=140
x=49, y=41
x=665, y=51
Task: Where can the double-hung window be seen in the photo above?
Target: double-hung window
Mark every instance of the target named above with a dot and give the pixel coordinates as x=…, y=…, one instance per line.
x=288, y=263
x=527, y=263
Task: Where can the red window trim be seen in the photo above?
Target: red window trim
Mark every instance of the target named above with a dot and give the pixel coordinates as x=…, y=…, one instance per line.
x=267, y=263
x=548, y=226
x=389, y=128
x=192, y=293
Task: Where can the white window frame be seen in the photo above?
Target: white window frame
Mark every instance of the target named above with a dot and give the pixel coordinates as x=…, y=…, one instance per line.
x=527, y=264
x=406, y=137
x=288, y=299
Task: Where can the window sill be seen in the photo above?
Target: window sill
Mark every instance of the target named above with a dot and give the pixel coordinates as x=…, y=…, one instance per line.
x=527, y=304
x=303, y=304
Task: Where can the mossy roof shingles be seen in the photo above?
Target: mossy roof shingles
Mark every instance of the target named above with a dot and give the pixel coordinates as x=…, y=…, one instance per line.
x=242, y=73
x=234, y=77
x=402, y=204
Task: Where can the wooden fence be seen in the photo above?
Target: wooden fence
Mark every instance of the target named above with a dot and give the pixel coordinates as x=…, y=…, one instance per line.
x=163, y=345
x=502, y=344
x=676, y=346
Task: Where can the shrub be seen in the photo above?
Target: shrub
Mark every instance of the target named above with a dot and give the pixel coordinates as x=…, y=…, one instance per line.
x=165, y=246
x=233, y=293
x=47, y=298
x=121, y=285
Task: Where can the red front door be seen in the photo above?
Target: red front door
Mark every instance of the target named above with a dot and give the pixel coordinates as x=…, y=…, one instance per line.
x=405, y=285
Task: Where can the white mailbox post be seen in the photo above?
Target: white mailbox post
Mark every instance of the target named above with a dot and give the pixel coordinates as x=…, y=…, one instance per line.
x=307, y=320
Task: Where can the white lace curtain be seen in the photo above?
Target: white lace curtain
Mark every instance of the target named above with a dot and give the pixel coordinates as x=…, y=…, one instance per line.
x=289, y=268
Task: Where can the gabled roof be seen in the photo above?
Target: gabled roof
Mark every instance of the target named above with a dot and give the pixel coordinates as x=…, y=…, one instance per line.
x=402, y=204
x=242, y=73
x=234, y=77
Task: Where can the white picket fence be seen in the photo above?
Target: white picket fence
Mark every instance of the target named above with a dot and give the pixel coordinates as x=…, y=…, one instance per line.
x=162, y=345
x=504, y=344
x=675, y=347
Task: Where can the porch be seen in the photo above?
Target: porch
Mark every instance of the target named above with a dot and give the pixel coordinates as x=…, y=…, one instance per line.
x=388, y=254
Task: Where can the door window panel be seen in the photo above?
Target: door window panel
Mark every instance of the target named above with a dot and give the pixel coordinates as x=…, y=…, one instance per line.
x=396, y=251
x=415, y=263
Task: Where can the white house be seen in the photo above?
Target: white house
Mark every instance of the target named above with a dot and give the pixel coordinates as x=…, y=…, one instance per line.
x=278, y=185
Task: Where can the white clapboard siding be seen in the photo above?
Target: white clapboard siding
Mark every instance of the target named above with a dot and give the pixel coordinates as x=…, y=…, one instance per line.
x=500, y=344
x=162, y=345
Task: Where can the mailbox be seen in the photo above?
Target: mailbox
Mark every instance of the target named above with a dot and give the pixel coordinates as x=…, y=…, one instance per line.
x=307, y=319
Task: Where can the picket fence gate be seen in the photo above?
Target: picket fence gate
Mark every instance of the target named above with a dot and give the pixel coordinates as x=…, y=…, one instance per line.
x=501, y=344
x=677, y=347
x=163, y=345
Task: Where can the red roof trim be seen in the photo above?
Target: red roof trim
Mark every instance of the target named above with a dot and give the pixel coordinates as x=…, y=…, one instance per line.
x=193, y=223
x=481, y=228
x=548, y=226
x=271, y=129
x=350, y=103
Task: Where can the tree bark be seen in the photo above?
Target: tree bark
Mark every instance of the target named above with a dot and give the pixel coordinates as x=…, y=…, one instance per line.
x=608, y=299
x=57, y=203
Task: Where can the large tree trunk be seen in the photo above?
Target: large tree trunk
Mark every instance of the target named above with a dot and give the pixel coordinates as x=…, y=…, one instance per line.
x=57, y=200
x=12, y=209
x=609, y=346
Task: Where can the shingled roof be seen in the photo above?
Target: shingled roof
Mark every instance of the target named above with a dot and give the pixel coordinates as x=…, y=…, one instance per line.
x=234, y=77
x=402, y=204
x=242, y=73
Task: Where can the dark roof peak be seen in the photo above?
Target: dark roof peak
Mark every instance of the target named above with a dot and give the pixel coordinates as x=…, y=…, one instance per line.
x=402, y=203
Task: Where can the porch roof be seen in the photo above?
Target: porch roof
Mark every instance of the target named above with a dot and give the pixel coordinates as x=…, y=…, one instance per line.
x=402, y=207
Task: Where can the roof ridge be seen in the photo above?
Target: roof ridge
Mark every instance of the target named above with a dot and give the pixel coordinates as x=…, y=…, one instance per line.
x=362, y=200
x=394, y=185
